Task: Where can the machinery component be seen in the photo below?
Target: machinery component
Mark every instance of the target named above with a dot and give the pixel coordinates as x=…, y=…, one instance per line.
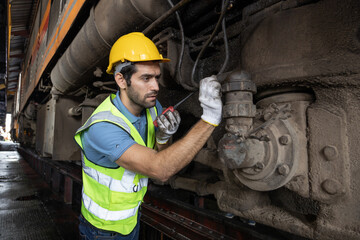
x=89, y=105
x=101, y=85
x=239, y=109
x=269, y=159
x=30, y=111
x=75, y=111
x=330, y=165
x=238, y=198
x=263, y=165
x=237, y=154
x=54, y=128
x=271, y=154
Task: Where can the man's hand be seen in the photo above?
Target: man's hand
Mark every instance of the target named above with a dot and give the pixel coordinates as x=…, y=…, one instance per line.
x=210, y=100
x=168, y=125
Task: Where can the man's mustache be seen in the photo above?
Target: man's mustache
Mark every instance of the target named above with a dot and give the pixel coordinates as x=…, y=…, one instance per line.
x=151, y=94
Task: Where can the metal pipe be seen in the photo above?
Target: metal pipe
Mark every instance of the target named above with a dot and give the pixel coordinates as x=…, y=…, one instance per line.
x=239, y=110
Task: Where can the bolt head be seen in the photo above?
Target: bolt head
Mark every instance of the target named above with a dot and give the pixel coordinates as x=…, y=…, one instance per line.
x=259, y=166
x=283, y=169
x=284, y=140
x=330, y=152
x=331, y=186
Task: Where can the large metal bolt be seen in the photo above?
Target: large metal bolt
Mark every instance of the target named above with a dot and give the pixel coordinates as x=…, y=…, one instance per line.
x=259, y=166
x=283, y=169
x=284, y=140
x=267, y=116
x=331, y=186
x=330, y=152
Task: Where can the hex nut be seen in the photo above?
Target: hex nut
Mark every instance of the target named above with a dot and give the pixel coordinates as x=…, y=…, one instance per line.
x=283, y=169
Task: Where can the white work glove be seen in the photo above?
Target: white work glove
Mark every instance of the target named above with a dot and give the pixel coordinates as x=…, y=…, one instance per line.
x=168, y=124
x=210, y=100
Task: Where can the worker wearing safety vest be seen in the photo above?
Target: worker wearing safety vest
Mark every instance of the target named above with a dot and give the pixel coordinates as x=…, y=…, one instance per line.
x=121, y=147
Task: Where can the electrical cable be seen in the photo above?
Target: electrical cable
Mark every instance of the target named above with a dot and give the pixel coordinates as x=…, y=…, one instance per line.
x=165, y=16
x=179, y=63
x=226, y=44
x=222, y=15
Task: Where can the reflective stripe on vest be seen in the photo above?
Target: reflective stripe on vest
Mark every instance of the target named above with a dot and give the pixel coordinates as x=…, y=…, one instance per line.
x=106, y=214
x=109, y=116
x=126, y=184
x=105, y=115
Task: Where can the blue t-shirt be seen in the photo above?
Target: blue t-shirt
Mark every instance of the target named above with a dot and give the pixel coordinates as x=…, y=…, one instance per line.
x=105, y=142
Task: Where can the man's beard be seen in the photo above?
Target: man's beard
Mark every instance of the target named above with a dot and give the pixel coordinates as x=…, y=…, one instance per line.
x=141, y=101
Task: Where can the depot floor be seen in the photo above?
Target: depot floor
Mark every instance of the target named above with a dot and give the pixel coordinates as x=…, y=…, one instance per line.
x=28, y=208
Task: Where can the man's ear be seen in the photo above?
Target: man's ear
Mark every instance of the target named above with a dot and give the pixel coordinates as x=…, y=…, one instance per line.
x=120, y=80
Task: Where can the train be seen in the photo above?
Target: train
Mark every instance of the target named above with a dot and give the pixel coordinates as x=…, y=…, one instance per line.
x=285, y=154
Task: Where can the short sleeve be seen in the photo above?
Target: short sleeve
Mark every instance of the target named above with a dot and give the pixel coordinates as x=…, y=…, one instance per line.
x=105, y=142
x=158, y=107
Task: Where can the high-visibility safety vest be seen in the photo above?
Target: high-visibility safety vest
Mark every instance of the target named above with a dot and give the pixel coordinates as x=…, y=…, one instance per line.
x=111, y=197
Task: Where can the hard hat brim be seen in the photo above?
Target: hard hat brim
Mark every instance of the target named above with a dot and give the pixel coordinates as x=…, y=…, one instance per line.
x=162, y=60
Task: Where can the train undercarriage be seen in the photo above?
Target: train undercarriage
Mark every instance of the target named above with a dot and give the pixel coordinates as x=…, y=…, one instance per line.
x=285, y=155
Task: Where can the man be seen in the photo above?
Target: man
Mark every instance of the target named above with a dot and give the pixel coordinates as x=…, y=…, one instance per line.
x=119, y=139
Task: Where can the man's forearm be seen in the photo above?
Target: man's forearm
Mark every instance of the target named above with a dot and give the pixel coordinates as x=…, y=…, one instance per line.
x=160, y=147
x=179, y=154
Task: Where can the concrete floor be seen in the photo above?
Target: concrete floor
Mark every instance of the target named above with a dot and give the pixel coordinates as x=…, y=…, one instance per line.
x=28, y=208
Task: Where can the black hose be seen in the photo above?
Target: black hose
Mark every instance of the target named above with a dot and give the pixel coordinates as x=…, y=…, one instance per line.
x=179, y=63
x=226, y=45
x=222, y=15
x=165, y=16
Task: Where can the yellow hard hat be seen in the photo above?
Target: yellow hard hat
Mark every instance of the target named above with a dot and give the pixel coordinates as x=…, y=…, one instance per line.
x=133, y=47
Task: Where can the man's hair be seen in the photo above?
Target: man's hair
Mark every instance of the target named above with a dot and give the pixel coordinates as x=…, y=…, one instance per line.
x=128, y=71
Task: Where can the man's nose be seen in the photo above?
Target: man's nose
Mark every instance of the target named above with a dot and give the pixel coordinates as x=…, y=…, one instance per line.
x=154, y=84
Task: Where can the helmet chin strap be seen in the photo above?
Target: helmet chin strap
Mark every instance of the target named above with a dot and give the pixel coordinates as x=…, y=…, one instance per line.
x=121, y=66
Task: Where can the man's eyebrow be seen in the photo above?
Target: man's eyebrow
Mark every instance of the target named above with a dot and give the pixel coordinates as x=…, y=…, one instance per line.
x=146, y=75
